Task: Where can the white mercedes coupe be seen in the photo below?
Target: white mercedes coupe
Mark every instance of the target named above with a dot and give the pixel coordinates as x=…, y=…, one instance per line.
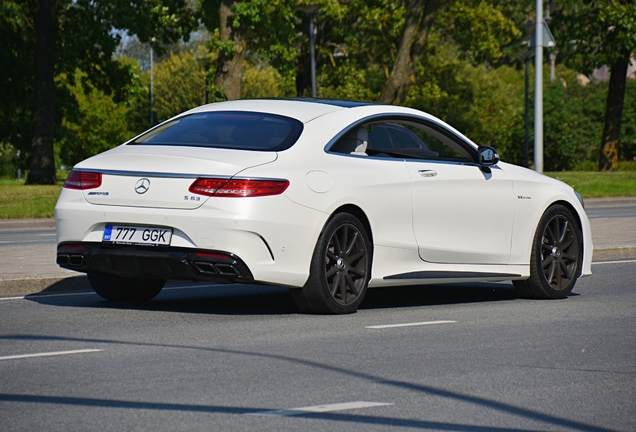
x=325, y=197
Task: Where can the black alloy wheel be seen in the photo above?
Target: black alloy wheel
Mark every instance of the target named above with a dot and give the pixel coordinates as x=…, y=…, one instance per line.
x=555, y=263
x=340, y=269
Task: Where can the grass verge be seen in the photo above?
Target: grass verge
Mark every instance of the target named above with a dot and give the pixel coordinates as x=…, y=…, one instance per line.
x=19, y=201
x=599, y=184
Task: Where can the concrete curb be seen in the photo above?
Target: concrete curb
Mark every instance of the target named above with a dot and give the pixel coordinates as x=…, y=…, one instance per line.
x=614, y=253
x=27, y=223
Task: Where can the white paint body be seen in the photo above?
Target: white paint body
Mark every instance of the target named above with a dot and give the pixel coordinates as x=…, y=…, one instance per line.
x=460, y=220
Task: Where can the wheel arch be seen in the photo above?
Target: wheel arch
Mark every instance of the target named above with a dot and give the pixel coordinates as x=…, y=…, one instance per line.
x=358, y=213
x=578, y=221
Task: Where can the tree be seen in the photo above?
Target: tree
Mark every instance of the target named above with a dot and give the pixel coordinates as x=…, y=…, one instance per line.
x=99, y=124
x=16, y=93
x=418, y=21
x=42, y=157
x=179, y=85
x=604, y=33
x=70, y=34
x=229, y=64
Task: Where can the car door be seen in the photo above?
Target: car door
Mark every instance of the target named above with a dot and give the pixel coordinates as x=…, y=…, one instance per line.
x=462, y=214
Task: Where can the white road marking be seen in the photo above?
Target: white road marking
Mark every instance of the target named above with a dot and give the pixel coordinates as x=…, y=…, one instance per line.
x=409, y=324
x=321, y=408
x=11, y=298
x=48, y=354
x=614, y=262
x=45, y=235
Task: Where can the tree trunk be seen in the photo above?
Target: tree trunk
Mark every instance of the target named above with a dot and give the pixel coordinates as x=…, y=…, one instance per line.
x=42, y=155
x=420, y=15
x=229, y=65
x=613, y=114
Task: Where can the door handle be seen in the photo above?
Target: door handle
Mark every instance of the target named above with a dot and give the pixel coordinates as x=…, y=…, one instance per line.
x=427, y=173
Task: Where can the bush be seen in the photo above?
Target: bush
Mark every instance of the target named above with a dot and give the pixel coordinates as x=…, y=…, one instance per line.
x=8, y=161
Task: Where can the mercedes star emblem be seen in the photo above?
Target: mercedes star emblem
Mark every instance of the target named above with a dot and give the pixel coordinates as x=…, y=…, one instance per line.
x=142, y=186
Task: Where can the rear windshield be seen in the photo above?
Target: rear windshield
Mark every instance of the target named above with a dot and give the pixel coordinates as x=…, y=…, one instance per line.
x=227, y=129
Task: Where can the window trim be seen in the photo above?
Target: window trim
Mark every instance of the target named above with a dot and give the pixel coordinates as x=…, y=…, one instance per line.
x=416, y=121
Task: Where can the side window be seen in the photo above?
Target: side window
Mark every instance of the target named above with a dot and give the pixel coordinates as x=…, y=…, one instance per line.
x=403, y=139
x=379, y=138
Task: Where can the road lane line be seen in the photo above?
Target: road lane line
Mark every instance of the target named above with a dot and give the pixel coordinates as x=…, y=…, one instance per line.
x=409, y=324
x=321, y=408
x=12, y=298
x=48, y=354
x=614, y=262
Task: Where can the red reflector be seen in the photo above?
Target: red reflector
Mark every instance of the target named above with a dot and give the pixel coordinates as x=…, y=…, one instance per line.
x=237, y=187
x=71, y=246
x=212, y=255
x=83, y=180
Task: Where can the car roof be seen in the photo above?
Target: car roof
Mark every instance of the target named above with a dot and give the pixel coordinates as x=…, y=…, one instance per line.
x=302, y=109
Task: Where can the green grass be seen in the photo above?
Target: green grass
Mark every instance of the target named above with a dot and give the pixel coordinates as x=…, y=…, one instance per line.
x=599, y=184
x=18, y=201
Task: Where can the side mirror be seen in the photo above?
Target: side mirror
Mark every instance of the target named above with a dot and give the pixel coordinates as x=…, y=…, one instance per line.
x=487, y=156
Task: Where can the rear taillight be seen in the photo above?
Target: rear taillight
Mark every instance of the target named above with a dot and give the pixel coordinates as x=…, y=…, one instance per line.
x=83, y=180
x=237, y=187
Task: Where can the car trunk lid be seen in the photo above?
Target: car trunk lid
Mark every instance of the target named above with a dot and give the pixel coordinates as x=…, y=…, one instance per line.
x=160, y=176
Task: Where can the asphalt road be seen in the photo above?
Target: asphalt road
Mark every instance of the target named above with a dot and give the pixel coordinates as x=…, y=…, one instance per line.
x=225, y=357
x=27, y=237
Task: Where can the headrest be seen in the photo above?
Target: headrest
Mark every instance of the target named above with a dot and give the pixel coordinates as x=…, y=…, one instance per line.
x=359, y=134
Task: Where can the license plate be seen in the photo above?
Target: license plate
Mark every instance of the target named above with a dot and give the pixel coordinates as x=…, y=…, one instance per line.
x=137, y=235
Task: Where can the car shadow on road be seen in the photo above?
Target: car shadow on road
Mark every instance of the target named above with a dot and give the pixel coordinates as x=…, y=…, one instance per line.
x=242, y=299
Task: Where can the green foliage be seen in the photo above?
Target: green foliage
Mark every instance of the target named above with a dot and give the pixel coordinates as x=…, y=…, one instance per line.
x=262, y=80
x=480, y=28
x=101, y=123
x=8, y=161
x=179, y=85
x=601, y=31
x=88, y=33
x=16, y=92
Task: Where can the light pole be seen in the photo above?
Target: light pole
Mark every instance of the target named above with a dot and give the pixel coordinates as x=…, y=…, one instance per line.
x=541, y=37
x=538, y=89
x=311, y=11
x=529, y=26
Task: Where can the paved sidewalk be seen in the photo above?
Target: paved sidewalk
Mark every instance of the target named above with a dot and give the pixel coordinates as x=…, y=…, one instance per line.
x=32, y=269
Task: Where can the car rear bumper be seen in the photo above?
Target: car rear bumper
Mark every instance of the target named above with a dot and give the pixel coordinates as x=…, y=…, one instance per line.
x=153, y=262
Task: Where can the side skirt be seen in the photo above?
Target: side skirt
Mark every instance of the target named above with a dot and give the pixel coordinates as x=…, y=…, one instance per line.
x=452, y=275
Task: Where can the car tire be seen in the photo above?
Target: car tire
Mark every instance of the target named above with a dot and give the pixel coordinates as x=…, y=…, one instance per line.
x=125, y=289
x=555, y=261
x=340, y=268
